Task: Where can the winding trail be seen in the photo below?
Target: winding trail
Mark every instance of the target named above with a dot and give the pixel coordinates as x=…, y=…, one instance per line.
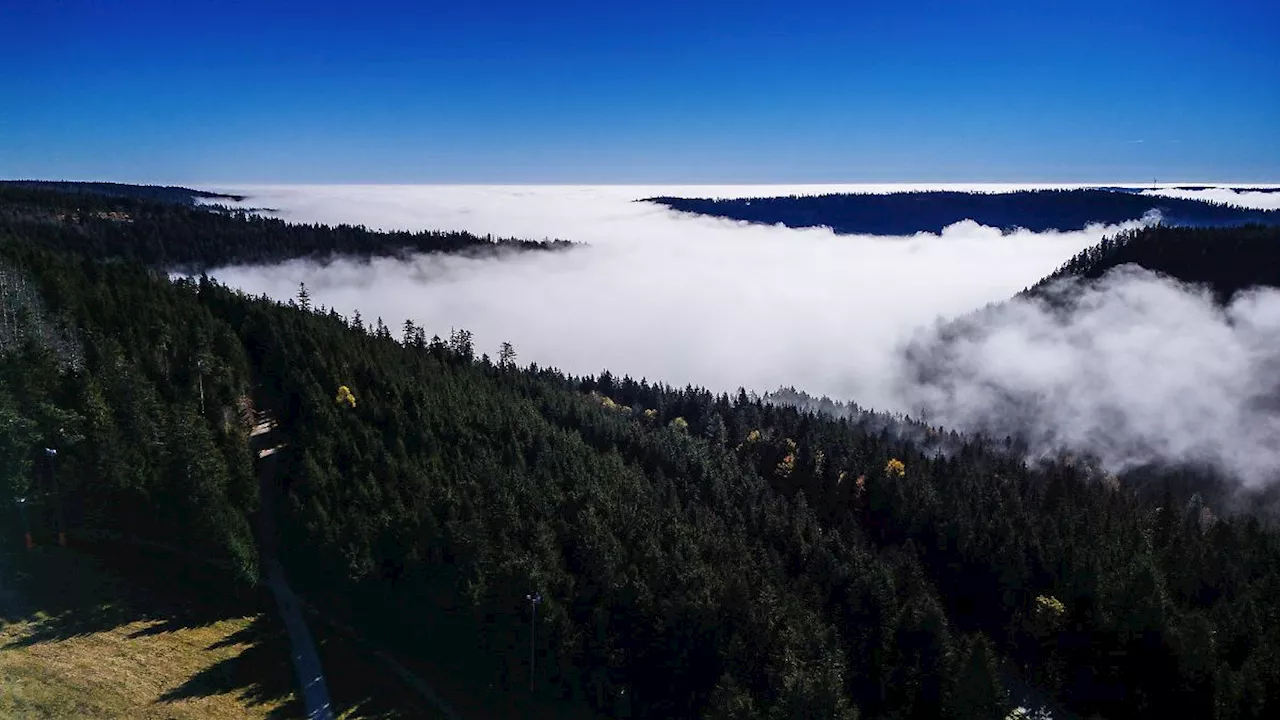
x=306, y=663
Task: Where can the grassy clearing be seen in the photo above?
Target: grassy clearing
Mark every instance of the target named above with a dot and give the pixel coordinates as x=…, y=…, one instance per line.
x=80, y=641
x=115, y=633
x=128, y=672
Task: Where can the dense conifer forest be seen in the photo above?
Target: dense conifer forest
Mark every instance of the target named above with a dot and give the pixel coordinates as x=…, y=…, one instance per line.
x=173, y=236
x=159, y=193
x=697, y=554
x=930, y=211
x=1226, y=262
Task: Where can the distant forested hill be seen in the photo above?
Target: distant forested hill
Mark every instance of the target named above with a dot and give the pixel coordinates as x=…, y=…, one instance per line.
x=158, y=193
x=1227, y=260
x=699, y=555
x=177, y=237
x=1232, y=189
x=931, y=211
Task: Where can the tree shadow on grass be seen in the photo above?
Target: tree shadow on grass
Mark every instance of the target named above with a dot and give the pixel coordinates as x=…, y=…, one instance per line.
x=255, y=675
x=61, y=594
x=361, y=685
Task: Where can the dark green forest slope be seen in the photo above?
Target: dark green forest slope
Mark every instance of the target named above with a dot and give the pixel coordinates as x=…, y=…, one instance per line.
x=159, y=193
x=698, y=554
x=1226, y=261
x=176, y=237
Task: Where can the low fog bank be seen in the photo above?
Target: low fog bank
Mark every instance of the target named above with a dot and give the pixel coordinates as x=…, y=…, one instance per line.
x=1134, y=368
x=1243, y=198
x=1139, y=369
x=664, y=295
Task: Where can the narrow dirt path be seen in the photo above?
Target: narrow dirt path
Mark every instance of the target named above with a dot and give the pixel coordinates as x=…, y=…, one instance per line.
x=306, y=663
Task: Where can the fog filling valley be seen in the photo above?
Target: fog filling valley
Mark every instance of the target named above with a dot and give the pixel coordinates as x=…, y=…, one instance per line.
x=1135, y=369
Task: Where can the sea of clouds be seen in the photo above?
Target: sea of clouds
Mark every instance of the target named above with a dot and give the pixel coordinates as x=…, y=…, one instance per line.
x=1145, y=370
x=1234, y=195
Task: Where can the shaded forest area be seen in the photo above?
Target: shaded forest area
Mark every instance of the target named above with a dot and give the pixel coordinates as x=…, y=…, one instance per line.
x=175, y=237
x=1225, y=261
x=158, y=193
x=907, y=213
x=697, y=554
x=1232, y=189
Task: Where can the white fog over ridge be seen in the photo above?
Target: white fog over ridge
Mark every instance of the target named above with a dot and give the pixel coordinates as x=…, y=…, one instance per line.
x=1255, y=200
x=659, y=294
x=1146, y=370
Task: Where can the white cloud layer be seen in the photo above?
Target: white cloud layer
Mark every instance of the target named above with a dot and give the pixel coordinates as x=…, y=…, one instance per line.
x=659, y=294
x=1149, y=367
x=1245, y=198
x=1136, y=368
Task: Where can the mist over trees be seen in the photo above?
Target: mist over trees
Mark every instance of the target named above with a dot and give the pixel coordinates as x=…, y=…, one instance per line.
x=698, y=554
x=175, y=237
x=905, y=213
x=1152, y=353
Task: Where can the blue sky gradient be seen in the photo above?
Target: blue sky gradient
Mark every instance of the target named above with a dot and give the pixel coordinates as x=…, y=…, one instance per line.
x=199, y=91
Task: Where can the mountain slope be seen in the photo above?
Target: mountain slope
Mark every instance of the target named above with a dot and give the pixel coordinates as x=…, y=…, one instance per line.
x=175, y=237
x=1226, y=260
x=159, y=193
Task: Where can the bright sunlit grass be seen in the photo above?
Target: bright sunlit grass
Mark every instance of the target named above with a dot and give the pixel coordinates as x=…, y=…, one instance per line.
x=78, y=642
x=126, y=672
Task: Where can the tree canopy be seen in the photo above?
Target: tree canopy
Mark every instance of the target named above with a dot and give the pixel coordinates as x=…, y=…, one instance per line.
x=176, y=237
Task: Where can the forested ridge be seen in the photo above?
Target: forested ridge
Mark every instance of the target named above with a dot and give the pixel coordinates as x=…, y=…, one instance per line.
x=173, y=236
x=906, y=213
x=1225, y=261
x=697, y=554
x=1232, y=189
x=160, y=193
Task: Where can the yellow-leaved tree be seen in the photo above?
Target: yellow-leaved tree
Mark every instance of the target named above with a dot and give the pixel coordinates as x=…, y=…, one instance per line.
x=345, y=397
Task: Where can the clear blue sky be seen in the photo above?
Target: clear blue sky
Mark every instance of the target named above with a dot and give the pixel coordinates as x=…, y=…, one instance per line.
x=482, y=91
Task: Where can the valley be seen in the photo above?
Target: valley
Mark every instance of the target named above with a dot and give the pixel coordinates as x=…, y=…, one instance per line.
x=696, y=550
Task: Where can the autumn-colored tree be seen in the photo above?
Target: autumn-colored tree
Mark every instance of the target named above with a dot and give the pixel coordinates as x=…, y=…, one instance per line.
x=345, y=397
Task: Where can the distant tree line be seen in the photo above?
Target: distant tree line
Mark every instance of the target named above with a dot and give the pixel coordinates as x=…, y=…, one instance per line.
x=193, y=239
x=906, y=213
x=159, y=193
x=1232, y=189
x=1227, y=262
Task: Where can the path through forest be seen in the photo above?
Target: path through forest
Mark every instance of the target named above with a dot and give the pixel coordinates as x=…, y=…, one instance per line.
x=305, y=660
